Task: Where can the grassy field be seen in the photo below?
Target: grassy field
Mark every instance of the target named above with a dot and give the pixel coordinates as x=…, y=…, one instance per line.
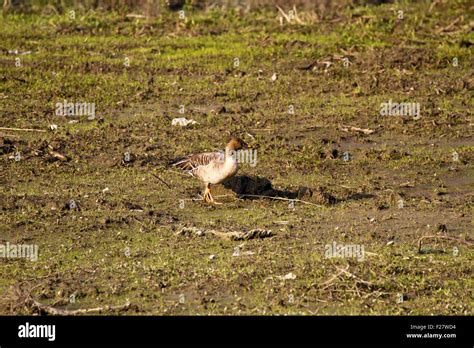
x=109, y=231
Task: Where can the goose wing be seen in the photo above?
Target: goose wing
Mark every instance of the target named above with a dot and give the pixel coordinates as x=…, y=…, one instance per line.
x=193, y=162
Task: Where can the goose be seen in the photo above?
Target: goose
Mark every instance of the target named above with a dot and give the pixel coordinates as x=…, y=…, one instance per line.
x=212, y=167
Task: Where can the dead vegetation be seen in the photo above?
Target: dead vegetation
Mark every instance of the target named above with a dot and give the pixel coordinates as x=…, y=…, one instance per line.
x=119, y=233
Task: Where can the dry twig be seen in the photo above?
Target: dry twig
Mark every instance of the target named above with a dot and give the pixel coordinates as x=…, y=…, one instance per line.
x=356, y=129
x=23, y=129
x=164, y=182
x=328, y=282
x=452, y=24
x=281, y=199
x=441, y=237
x=57, y=311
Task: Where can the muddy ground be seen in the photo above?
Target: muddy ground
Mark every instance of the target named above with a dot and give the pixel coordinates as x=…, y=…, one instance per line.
x=114, y=225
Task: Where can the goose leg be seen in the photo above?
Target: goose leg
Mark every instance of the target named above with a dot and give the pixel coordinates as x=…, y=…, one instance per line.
x=208, y=196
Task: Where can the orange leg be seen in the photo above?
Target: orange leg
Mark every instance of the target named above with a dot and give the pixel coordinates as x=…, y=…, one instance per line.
x=208, y=196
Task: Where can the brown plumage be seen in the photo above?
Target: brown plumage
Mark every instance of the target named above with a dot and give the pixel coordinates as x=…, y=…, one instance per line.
x=212, y=167
x=191, y=162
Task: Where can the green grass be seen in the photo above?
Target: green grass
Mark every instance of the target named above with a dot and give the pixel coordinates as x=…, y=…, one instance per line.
x=191, y=63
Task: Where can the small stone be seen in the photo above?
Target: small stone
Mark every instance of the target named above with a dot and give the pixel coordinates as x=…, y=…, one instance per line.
x=442, y=228
x=289, y=276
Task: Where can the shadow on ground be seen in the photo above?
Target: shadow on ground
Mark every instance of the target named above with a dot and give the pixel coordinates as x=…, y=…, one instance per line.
x=257, y=187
